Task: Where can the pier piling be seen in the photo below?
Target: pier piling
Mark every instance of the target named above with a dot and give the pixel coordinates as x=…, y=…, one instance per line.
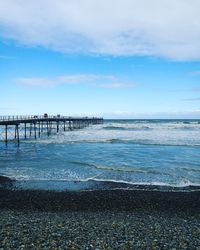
x=40, y=125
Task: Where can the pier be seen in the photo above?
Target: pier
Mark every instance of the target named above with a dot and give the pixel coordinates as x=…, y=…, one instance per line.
x=16, y=128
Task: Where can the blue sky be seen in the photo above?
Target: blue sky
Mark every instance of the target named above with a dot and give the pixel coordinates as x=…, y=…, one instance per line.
x=113, y=65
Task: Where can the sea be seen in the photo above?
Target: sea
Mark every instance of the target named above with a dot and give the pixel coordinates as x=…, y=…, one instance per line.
x=127, y=154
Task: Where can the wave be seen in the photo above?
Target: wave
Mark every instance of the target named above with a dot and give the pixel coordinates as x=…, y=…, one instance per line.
x=114, y=128
x=121, y=184
x=191, y=169
x=121, y=168
x=183, y=128
x=149, y=126
x=127, y=128
x=95, y=183
x=145, y=142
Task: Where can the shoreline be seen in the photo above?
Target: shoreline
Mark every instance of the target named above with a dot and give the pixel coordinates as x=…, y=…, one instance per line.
x=96, y=196
x=91, y=185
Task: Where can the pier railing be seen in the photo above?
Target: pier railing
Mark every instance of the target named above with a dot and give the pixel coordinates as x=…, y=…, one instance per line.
x=20, y=117
x=32, y=117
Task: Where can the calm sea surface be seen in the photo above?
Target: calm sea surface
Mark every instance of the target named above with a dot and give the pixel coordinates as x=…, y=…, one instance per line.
x=147, y=152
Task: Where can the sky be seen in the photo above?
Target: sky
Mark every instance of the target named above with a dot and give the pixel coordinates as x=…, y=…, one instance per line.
x=116, y=58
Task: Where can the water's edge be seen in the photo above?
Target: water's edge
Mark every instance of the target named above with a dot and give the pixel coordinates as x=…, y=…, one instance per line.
x=89, y=185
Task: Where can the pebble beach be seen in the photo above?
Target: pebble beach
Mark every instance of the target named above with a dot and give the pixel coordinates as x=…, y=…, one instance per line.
x=115, y=219
x=98, y=230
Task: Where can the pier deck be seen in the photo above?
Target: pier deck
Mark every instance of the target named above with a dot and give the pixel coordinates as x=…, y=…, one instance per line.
x=14, y=128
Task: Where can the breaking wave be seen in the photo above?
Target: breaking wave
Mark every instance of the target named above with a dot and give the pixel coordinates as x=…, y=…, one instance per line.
x=126, y=128
x=121, y=168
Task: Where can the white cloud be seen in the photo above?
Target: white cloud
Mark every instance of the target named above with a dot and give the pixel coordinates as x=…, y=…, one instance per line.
x=192, y=99
x=104, y=81
x=6, y=57
x=194, y=89
x=195, y=72
x=116, y=85
x=164, y=28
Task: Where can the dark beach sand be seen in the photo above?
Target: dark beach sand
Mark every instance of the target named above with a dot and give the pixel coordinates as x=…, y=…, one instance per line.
x=101, y=219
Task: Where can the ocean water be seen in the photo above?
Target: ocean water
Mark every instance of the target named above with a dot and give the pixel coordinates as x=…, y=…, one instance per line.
x=131, y=152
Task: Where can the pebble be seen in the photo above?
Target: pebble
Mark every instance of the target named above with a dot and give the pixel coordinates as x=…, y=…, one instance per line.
x=97, y=230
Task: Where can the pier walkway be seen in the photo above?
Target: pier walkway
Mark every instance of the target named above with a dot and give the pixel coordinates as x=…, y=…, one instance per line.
x=15, y=128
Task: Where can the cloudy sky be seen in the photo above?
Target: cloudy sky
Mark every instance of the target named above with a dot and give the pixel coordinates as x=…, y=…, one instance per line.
x=116, y=58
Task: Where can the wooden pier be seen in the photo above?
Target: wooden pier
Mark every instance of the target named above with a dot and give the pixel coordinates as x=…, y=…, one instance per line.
x=15, y=128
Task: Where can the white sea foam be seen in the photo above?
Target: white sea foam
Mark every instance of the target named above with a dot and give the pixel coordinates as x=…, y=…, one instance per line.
x=169, y=133
x=116, y=151
x=180, y=184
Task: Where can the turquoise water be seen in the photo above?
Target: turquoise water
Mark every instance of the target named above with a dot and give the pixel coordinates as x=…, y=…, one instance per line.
x=146, y=152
